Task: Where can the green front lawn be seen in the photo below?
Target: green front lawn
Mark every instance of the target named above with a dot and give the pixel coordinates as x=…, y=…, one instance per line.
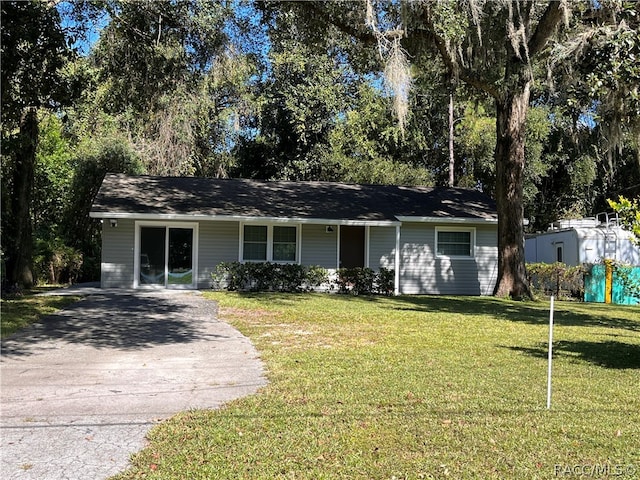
x=416, y=387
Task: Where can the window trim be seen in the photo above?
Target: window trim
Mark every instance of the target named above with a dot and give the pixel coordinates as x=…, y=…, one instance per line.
x=472, y=240
x=270, y=226
x=266, y=243
x=274, y=243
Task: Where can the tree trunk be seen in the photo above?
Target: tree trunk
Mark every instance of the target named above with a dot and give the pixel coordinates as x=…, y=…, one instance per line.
x=511, y=112
x=22, y=274
x=452, y=161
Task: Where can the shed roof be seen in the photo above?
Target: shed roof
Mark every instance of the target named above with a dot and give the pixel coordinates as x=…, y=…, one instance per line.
x=181, y=197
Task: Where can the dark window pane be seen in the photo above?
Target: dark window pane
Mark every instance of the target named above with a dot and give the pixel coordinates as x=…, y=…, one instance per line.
x=454, y=244
x=255, y=251
x=253, y=233
x=152, y=253
x=255, y=242
x=284, y=234
x=284, y=244
x=180, y=256
x=284, y=252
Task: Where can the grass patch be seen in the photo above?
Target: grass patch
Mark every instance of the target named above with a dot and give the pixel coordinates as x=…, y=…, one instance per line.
x=415, y=387
x=19, y=311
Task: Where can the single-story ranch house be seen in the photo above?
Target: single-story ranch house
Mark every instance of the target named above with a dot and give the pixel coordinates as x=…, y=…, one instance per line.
x=170, y=232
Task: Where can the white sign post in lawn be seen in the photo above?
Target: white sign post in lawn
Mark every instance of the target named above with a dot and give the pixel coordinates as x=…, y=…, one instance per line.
x=550, y=354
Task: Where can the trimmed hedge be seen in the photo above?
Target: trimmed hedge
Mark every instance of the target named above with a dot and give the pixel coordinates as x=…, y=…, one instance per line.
x=267, y=276
x=365, y=281
x=275, y=277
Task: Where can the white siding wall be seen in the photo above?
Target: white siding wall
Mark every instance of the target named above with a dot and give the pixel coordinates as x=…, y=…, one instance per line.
x=417, y=266
x=117, y=254
x=382, y=247
x=319, y=247
x=218, y=243
x=487, y=257
x=423, y=272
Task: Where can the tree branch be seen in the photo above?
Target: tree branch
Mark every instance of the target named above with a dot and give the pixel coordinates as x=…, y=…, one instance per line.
x=455, y=69
x=546, y=27
x=364, y=36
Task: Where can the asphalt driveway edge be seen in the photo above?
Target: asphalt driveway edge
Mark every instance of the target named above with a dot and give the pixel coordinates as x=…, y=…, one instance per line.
x=81, y=389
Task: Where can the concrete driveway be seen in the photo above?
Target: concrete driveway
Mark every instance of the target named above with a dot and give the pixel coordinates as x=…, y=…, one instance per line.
x=80, y=390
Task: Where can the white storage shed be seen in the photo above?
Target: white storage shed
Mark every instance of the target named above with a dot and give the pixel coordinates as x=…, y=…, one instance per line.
x=586, y=240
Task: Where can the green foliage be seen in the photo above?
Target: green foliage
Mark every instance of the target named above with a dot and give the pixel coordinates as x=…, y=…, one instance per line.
x=150, y=48
x=267, y=276
x=365, y=281
x=449, y=21
x=295, y=90
x=556, y=279
x=474, y=145
x=229, y=276
x=599, y=104
x=356, y=281
x=165, y=76
x=93, y=161
x=34, y=51
x=298, y=107
x=628, y=211
x=536, y=165
x=608, y=73
x=385, y=281
x=56, y=263
x=276, y=277
x=53, y=176
x=571, y=185
x=367, y=146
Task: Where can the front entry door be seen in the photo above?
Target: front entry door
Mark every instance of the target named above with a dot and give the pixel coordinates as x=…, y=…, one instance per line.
x=351, y=246
x=166, y=257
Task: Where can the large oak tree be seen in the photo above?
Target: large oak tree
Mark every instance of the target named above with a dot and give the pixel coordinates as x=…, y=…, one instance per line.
x=502, y=49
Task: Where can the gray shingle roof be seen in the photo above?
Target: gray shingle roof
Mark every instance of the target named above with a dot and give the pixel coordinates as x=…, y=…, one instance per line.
x=183, y=196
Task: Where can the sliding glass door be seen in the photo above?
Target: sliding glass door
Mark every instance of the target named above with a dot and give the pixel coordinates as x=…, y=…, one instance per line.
x=180, y=258
x=166, y=256
x=152, y=255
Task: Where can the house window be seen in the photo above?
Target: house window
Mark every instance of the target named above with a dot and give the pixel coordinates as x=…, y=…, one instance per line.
x=255, y=243
x=267, y=243
x=284, y=244
x=455, y=242
x=559, y=252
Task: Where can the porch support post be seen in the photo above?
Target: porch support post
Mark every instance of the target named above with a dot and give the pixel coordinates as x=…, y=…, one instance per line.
x=366, y=246
x=396, y=283
x=338, y=247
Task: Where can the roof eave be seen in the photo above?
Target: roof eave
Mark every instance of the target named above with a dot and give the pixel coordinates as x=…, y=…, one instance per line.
x=241, y=218
x=448, y=220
